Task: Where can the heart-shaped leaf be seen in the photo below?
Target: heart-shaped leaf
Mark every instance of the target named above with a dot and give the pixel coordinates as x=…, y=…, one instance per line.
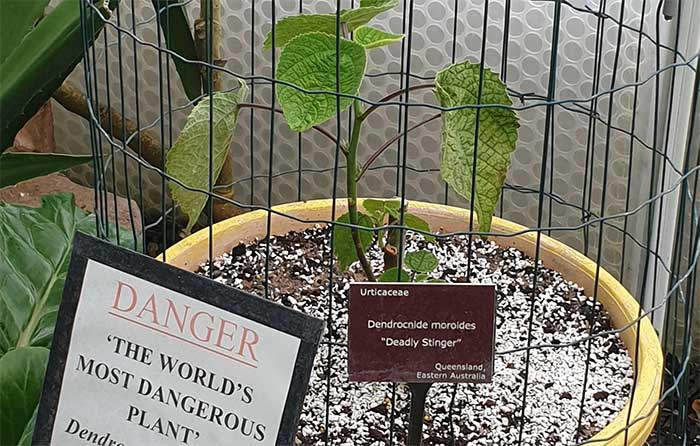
x=309, y=62
x=421, y=261
x=498, y=133
x=188, y=159
x=343, y=244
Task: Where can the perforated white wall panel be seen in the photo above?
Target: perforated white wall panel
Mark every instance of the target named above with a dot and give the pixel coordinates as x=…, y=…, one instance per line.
x=575, y=140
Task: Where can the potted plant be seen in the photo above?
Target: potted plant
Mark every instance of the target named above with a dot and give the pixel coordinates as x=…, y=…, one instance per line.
x=479, y=133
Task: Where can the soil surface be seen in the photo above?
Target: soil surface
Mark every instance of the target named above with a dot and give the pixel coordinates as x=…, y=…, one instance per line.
x=376, y=414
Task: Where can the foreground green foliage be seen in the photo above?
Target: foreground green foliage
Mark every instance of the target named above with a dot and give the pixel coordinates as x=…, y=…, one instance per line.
x=35, y=246
x=39, y=59
x=178, y=38
x=16, y=167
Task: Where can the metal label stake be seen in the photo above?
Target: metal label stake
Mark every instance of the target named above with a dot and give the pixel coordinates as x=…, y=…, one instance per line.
x=415, y=422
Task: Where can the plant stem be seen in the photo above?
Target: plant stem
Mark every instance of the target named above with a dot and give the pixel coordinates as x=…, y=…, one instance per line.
x=352, y=193
x=388, y=144
x=362, y=116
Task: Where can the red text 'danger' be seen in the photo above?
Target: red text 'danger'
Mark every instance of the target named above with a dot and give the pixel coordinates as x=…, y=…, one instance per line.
x=178, y=320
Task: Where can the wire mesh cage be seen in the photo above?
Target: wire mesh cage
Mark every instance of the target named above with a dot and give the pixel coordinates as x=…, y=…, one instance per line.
x=193, y=102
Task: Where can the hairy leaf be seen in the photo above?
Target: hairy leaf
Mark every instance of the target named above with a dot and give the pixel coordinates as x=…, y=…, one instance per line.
x=38, y=66
x=370, y=37
x=343, y=244
x=415, y=222
x=188, y=159
x=309, y=62
x=17, y=18
x=392, y=275
x=178, y=37
x=498, y=133
x=21, y=380
x=293, y=26
x=35, y=245
x=21, y=166
x=421, y=261
x=369, y=9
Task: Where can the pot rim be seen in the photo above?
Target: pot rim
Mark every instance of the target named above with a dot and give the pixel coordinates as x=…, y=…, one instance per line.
x=190, y=252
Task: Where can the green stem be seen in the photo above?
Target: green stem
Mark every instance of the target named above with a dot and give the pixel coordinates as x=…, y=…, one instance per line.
x=352, y=193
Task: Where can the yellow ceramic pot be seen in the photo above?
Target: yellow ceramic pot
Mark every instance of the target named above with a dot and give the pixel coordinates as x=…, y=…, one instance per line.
x=194, y=250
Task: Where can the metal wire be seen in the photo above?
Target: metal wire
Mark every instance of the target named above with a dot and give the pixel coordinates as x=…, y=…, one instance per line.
x=636, y=220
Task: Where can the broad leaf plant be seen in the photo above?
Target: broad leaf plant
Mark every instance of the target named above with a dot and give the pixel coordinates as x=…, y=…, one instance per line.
x=479, y=131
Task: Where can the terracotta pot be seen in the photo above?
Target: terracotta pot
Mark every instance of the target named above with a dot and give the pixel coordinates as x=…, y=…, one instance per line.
x=574, y=266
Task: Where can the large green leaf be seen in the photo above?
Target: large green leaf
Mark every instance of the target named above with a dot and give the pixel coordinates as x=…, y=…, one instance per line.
x=188, y=159
x=17, y=18
x=370, y=37
x=498, y=133
x=343, y=245
x=35, y=246
x=293, y=26
x=21, y=166
x=369, y=9
x=39, y=64
x=21, y=379
x=309, y=62
x=178, y=38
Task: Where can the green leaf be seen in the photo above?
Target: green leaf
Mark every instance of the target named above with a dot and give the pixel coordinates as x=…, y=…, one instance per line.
x=38, y=66
x=309, y=62
x=26, y=438
x=421, y=261
x=392, y=275
x=188, y=159
x=343, y=244
x=178, y=38
x=369, y=9
x=415, y=222
x=370, y=37
x=293, y=26
x=373, y=206
x=420, y=277
x=17, y=18
x=498, y=134
x=35, y=245
x=21, y=166
x=379, y=208
x=21, y=380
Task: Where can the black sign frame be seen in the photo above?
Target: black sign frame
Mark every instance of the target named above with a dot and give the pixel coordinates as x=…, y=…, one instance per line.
x=306, y=328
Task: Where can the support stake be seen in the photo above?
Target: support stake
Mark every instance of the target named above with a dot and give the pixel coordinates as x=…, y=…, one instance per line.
x=415, y=420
